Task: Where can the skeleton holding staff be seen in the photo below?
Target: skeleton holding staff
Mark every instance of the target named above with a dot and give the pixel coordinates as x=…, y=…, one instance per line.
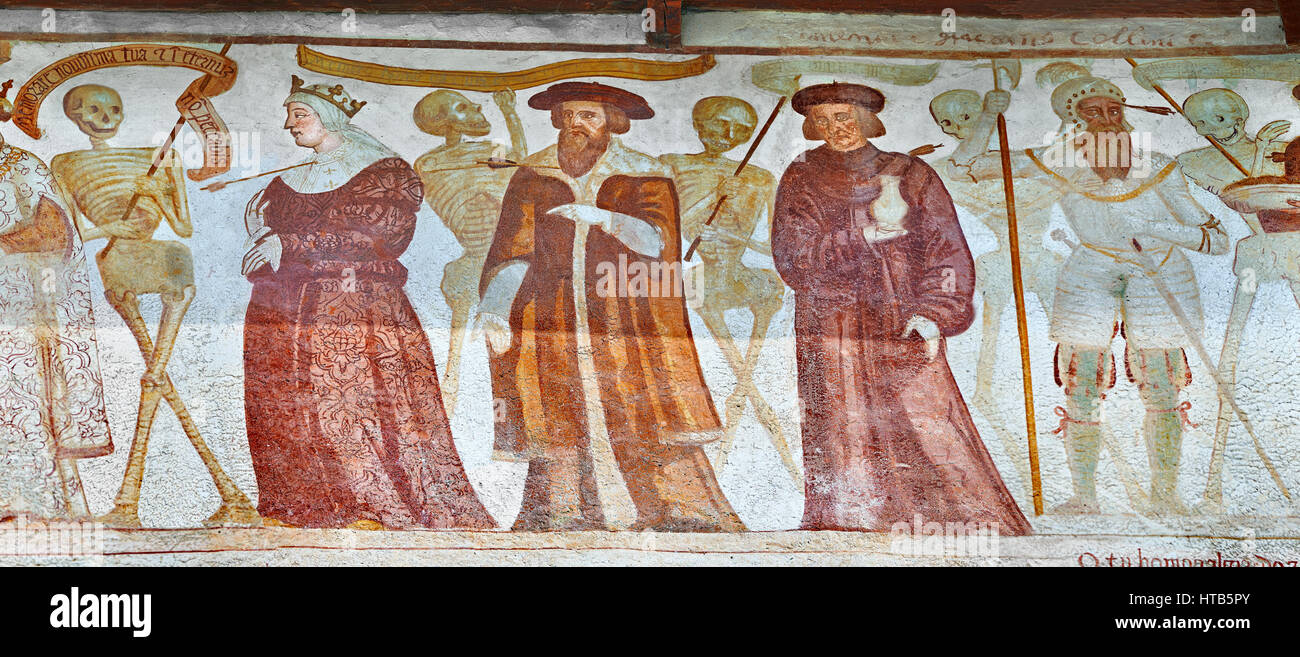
x=1270, y=253
x=722, y=282
x=103, y=182
x=1105, y=283
x=958, y=112
x=467, y=197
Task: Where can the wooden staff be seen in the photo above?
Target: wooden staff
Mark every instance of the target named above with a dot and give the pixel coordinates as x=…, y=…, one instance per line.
x=1022, y=322
x=166, y=148
x=750, y=153
x=1174, y=104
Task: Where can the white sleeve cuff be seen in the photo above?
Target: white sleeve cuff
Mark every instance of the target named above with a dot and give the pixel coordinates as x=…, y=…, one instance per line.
x=499, y=296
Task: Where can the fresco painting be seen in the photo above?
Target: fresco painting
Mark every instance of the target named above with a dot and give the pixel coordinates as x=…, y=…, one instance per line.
x=723, y=301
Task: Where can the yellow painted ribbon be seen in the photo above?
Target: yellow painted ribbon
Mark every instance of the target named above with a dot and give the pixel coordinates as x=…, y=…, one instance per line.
x=613, y=67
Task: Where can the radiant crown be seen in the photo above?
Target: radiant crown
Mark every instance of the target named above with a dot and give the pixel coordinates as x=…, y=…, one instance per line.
x=335, y=95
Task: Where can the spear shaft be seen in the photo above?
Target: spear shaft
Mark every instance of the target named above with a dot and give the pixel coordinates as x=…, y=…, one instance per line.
x=695, y=244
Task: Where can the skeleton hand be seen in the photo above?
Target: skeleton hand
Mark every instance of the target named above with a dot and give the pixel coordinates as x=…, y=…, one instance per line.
x=996, y=101
x=151, y=186
x=497, y=330
x=733, y=187
x=928, y=331
x=712, y=233
x=505, y=99
x=1272, y=131
x=265, y=252
x=586, y=214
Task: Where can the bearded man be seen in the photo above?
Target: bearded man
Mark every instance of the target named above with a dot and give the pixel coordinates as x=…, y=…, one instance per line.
x=1127, y=209
x=598, y=387
x=882, y=276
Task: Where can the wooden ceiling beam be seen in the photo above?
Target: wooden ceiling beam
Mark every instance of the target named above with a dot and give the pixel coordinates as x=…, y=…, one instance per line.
x=1045, y=9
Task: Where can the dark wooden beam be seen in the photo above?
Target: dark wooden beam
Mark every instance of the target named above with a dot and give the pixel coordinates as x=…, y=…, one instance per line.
x=668, y=23
x=1291, y=22
x=987, y=8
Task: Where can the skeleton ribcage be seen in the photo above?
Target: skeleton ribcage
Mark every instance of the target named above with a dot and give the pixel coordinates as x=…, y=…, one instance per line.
x=468, y=202
x=102, y=183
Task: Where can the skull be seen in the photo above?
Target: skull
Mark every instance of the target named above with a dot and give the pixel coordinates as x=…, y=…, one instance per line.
x=955, y=111
x=1218, y=113
x=723, y=123
x=445, y=113
x=96, y=109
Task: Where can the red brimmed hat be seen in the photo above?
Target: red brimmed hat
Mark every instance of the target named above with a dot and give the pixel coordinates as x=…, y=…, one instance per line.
x=838, y=93
x=632, y=105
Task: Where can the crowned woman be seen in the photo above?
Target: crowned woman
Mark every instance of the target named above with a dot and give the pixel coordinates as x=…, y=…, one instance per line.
x=345, y=418
x=51, y=391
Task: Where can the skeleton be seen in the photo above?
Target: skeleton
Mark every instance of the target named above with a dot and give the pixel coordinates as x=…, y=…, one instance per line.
x=957, y=112
x=467, y=197
x=1261, y=257
x=100, y=183
x=721, y=282
x=1110, y=276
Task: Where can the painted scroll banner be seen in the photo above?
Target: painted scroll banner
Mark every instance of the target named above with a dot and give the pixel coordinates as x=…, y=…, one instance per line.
x=615, y=67
x=194, y=104
x=1279, y=69
x=782, y=75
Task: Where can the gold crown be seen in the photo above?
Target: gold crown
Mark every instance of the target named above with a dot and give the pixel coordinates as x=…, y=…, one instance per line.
x=335, y=95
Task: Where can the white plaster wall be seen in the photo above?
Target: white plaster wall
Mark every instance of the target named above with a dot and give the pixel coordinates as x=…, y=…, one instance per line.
x=207, y=365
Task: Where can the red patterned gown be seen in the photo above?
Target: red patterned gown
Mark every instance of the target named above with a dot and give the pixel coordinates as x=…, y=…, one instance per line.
x=344, y=413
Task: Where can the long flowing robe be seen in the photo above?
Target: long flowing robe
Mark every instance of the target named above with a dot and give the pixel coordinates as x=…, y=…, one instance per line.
x=344, y=413
x=886, y=432
x=51, y=390
x=653, y=402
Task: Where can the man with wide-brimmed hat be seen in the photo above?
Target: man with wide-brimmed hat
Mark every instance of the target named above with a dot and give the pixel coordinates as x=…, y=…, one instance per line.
x=1126, y=206
x=882, y=275
x=594, y=371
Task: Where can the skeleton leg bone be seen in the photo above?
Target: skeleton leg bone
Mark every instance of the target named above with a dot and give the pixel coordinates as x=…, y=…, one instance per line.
x=1242, y=301
x=995, y=299
x=459, y=288
x=155, y=386
x=745, y=389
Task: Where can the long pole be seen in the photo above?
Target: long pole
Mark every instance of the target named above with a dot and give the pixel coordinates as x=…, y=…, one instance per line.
x=695, y=244
x=1152, y=273
x=160, y=155
x=1210, y=138
x=1022, y=322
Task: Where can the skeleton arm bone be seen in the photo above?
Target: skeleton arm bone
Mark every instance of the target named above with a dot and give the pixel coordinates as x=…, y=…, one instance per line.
x=88, y=231
x=973, y=159
x=976, y=144
x=505, y=101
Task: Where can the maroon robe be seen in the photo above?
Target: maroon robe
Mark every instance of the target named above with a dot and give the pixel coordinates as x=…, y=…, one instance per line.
x=886, y=433
x=652, y=390
x=344, y=413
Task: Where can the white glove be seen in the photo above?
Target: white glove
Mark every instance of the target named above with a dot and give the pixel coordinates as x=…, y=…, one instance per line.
x=497, y=330
x=587, y=214
x=928, y=330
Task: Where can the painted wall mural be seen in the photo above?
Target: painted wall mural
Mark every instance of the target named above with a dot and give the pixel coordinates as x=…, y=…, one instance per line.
x=714, y=303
